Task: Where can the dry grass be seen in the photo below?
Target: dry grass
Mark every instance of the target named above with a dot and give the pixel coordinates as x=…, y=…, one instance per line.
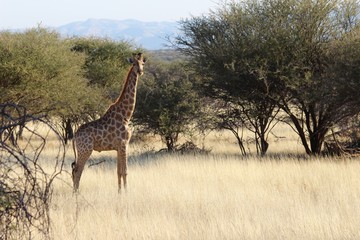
x=217, y=196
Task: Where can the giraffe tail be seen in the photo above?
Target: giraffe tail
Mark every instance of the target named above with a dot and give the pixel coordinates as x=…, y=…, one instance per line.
x=73, y=145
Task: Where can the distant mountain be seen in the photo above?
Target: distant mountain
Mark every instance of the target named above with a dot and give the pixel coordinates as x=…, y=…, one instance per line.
x=150, y=35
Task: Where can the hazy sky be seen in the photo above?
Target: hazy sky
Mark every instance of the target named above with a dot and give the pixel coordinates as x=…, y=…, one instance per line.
x=53, y=13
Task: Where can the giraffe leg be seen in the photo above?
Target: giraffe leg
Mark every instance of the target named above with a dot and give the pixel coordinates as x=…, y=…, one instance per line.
x=78, y=167
x=122, y=164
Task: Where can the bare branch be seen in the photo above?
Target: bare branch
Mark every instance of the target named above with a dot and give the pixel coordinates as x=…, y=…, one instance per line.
x=25, y=185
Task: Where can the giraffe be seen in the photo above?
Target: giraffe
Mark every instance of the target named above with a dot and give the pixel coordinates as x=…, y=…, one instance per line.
x=111, y=131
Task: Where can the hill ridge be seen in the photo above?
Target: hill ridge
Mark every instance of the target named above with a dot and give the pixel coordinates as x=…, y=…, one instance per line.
x=148, y=34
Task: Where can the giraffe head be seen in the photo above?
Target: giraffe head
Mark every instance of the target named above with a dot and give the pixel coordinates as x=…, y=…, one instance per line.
x=138, y=62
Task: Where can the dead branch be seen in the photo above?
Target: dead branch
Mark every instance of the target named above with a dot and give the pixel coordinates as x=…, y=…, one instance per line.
x=25, y=187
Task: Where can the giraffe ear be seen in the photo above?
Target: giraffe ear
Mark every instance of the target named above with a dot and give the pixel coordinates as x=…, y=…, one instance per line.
x=131, y=60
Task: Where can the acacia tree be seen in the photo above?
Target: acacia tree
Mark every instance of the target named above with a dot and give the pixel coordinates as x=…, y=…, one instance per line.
x=166, y=102
x=39, y=71
x=317, y=97
x=227, y=50
x=277, y=54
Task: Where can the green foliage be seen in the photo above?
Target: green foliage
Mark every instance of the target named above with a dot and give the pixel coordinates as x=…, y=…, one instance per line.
x=106, y=62
x=279, y=53
x=345, y=66
x=40, y=72
x=166, y=103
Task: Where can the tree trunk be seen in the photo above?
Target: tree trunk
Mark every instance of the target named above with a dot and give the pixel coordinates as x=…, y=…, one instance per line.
x=317, y=139
x=241, y=145
x=300, y=133
x=169, y=143
x=67, y=131
x=239, y=140
x=315, y=123
x=264, y=145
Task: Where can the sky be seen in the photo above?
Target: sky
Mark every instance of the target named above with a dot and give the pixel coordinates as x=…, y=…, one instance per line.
x=20, y=14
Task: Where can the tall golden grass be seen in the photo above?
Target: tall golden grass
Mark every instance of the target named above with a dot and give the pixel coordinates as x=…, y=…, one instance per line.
x=220, y=195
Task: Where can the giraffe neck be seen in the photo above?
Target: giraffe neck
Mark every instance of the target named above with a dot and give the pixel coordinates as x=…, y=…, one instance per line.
x=125, y=104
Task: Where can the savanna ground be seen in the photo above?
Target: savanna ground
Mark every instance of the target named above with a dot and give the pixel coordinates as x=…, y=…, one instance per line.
x=219, y=195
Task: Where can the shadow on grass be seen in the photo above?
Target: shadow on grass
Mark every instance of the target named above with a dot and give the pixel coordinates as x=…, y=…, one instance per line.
x=133, y=159
x=152, y=157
